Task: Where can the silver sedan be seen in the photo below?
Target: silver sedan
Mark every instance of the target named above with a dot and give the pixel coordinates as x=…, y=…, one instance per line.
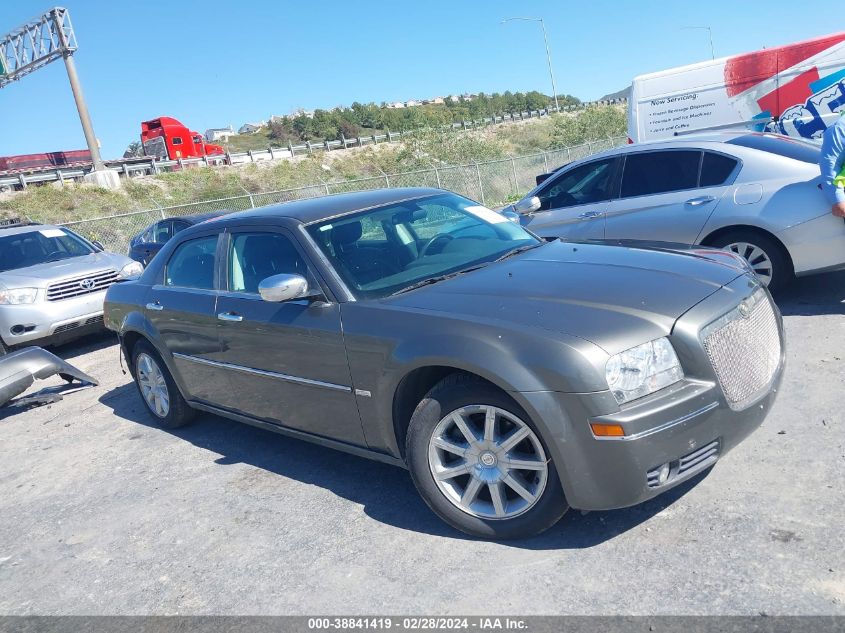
x=755, y=194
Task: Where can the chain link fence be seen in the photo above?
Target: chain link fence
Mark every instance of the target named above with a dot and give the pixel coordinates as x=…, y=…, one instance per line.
x=491, y=182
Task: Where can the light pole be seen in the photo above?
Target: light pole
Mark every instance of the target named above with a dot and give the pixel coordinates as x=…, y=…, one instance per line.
x=548, y=53
x=76, y=89
x=710, y=33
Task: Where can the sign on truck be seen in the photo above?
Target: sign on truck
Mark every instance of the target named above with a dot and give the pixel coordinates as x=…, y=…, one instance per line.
x=797, y=90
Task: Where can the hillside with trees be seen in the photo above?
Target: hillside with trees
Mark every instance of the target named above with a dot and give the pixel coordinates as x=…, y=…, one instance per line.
x=370, y=118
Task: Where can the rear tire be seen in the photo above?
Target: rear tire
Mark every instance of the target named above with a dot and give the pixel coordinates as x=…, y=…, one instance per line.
x=509, y=487
x=158, y=390
x=767, y=257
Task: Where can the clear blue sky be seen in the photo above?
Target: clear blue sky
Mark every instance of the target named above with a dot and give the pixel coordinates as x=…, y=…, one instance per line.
x=210, y=63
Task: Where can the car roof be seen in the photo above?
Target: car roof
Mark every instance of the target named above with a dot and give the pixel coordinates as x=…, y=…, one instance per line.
x=26, y=228
x=325, y=207
x=700, y=140
x=196, y=218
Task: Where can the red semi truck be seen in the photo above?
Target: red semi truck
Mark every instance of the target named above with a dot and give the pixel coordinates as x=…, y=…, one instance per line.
x=166, y=138
x=163, y=138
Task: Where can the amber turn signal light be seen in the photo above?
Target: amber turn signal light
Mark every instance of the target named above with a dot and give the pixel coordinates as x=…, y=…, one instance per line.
x=607, y=430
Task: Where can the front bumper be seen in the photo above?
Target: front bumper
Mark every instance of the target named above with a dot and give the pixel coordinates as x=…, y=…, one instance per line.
x=689, y=425
x=51, y=320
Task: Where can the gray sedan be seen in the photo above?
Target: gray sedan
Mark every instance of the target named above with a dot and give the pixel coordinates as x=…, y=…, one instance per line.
x=755, y=194
x=514, y=377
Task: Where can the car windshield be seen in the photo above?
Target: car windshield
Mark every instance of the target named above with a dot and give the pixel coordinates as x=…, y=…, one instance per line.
x=39, y=246
x=782, y=146
x=384, y=250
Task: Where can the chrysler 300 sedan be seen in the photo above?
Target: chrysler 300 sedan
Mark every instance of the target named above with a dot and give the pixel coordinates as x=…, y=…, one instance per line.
x=754, y=194
x=514, y=377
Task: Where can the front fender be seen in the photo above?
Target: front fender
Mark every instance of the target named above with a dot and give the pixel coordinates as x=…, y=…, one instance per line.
x=382, y=352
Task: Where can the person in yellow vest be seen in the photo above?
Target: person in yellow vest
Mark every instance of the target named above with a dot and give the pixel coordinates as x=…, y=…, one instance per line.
x=832, y=165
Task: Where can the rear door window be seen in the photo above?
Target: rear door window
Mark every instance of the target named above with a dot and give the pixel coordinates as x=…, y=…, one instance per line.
x=650, y=173
x=716, y=169
x=192, y=264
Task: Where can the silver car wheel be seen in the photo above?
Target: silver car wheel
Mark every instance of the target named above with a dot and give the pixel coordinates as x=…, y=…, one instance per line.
x=487, y=462
x=153, y=386
x=756, y=257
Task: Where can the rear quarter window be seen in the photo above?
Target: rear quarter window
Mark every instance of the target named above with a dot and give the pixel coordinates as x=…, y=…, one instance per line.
x=716, y=169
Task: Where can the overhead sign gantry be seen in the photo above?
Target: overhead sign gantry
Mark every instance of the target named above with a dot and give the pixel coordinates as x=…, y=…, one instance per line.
x=43, y=40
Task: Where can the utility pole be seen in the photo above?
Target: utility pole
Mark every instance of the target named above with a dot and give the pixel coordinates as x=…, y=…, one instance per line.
x=548, y=53
x=79, y=98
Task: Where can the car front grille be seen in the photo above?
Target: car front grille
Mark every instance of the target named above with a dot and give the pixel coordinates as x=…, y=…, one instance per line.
x=690, y=463
x=77, y=286
x=744, y=348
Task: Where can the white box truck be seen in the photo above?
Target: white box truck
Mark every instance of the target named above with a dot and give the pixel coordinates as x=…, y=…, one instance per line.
x=795, y=90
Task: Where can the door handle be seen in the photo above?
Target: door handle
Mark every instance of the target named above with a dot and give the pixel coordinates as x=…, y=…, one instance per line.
x=695, y=202
x=155, y=306
x=589, y=214
x=229, y=316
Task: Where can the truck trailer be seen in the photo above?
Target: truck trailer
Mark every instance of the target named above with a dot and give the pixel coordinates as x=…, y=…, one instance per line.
x=797, y=90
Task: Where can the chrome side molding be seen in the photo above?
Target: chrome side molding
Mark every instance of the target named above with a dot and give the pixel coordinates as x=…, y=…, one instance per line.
x=263, y=372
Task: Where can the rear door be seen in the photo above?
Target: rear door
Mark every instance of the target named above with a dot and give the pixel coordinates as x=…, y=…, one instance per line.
x=668, y=195
x=286, y=362
x=182, y=309
x=573, y=203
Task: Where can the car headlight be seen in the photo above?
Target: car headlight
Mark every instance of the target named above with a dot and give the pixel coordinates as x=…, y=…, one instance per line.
x=131, y=271
x=15, y=296
x=642, y=370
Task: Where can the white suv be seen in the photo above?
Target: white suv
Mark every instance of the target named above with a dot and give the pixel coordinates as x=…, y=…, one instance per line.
x=53, y=282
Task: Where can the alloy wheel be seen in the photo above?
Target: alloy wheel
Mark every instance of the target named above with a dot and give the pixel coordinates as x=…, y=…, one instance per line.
x=757, y=258
x=153, y=386
x=487, y=462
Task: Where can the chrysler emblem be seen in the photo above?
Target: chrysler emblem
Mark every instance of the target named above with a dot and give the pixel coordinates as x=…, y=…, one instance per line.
x=86, y=284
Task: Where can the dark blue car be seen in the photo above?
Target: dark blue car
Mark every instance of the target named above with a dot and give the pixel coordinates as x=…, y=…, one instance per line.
x=144, y=246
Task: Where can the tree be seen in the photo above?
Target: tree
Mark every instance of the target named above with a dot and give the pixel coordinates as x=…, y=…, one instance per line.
x=134, y=150
x=594, y=123
x=282, y=130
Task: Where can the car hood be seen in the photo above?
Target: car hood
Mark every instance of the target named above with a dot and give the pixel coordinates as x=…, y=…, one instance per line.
x=614, y=296
x=42, y=274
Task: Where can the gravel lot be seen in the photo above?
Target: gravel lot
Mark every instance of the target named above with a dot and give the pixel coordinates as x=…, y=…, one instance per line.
x=103, y=513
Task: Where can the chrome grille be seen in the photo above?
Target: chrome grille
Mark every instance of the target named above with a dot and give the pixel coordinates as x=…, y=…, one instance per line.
x=744, y=348
x=84, y=285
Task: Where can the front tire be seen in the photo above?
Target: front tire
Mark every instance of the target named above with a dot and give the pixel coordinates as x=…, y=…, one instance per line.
x=765, y=256
x=480, y=464
x=158, y=390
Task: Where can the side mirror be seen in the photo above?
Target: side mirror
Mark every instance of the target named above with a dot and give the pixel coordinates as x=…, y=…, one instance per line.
x=527, y=205
x=511, y=215
x=98, y=245
x=278, y=288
